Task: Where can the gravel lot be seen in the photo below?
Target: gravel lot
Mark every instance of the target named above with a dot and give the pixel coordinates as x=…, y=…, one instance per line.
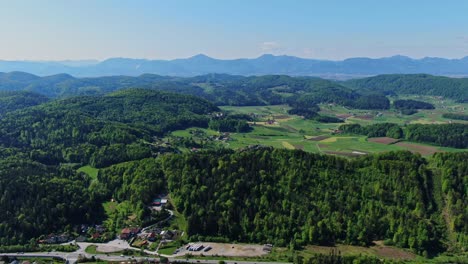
x=225, y=249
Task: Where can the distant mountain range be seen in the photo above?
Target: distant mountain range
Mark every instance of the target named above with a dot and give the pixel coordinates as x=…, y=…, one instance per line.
x=263, y=65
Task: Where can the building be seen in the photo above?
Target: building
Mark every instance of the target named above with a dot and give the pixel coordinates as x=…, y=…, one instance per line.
x=125, y=233
x=167, y=234
x=156, y=202
x=196, y=247
x=152, y=237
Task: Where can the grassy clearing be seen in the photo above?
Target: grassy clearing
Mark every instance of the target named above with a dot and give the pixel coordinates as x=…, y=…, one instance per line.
x=92, y=172
x=112, y=208
x=180, y=223
x=379, y=251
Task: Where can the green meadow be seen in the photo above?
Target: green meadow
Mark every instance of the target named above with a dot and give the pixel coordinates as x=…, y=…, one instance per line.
x=294, y=132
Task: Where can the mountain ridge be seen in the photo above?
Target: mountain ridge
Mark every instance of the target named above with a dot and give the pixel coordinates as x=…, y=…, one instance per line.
x=265, y=64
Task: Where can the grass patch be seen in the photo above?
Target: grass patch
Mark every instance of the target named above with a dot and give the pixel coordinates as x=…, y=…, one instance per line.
x=169, y=248
x=180, y=223
x=92, y=172
x=91, y=249
x=40, y=260
x=287, y=145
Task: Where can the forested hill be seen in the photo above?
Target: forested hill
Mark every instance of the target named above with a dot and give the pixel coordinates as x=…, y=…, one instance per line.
x=223, y=89
x=14, y=100
x=421, y=84
x=100, y=130
x=295, y=198
x=218, y=88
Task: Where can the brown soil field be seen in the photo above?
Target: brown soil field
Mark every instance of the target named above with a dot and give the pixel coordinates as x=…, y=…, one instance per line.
x=392, y=252
x=318, y=138
x=344, y=116
x=297, y=146
x=382, y=140
x=415, y=148
x=290, y=128
x=347, y=154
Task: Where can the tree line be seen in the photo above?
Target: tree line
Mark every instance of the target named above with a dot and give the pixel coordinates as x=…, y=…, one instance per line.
x=446, y=135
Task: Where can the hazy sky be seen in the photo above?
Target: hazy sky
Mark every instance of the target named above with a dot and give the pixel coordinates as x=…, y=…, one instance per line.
x=100, y=29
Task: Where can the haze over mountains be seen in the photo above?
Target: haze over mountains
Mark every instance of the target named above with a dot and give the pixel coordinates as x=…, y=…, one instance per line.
x=265, y=64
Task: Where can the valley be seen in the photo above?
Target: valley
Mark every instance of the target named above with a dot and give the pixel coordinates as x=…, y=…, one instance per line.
x=311, y=167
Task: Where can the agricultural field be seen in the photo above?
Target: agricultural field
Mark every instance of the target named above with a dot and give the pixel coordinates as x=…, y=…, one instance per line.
x=274, y=127
x=433, y=116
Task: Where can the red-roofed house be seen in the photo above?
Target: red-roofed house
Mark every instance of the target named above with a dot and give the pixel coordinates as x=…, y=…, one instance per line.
x=125, y=234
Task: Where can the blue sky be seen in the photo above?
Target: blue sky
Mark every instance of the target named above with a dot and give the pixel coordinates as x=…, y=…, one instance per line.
x=153, y=29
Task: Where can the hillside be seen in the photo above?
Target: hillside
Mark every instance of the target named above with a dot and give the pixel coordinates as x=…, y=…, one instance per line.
x=100, y=130
x=14, y=100
x=223, y=89
x=293, y=198
x=420, y=84
x=220, y=89
x=263, y=65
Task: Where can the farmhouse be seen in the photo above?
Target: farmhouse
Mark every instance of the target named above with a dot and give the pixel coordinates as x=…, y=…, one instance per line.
x=128, y=233
x=167, y=234
x=152, y=237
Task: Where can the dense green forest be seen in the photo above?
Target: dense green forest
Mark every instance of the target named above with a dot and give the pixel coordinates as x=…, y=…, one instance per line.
x=419, y=84
x=38, y=200
x=455, y=116
x=40, y=147
x=293, y=198
x=312, y=114
x=136, y=182
x=218, y=88
x=446, y=135
x=412, y=104
x=223, y=89
x=100, y=130
x=409, y=107
x=453, y=171
x=14, y=100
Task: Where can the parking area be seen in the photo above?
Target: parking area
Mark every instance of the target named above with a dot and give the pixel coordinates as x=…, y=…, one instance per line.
x=221, y=249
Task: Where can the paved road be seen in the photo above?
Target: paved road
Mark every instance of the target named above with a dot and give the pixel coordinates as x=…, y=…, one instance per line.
x=73, y=257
